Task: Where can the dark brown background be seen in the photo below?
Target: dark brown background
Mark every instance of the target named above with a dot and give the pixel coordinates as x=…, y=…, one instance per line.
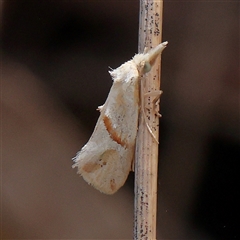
x=54, y=75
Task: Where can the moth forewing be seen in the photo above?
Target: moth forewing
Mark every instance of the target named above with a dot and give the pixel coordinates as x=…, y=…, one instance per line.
x=106, y=159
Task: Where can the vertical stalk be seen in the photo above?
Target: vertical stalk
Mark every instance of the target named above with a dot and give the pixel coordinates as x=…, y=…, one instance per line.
x=146, y=162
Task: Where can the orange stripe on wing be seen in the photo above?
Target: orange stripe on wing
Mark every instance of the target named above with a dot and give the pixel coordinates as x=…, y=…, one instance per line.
x=113, y=134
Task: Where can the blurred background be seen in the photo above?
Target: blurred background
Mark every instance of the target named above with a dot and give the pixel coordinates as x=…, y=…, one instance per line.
x=55, y=59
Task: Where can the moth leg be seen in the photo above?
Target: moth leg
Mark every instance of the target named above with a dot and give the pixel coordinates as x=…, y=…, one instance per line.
x=155, y=101
x=133, y=165
x=100, y=108
x=145, y=50
x=158, y=93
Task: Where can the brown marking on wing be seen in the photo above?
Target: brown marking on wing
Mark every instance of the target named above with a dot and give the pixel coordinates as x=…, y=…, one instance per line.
x=113, y=185
x=91, y=167
x=113, y=134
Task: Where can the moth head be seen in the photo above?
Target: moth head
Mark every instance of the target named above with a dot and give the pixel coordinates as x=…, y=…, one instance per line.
x=147, y=59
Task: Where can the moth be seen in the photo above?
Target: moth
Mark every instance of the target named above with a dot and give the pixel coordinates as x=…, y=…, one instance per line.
x=106, y=160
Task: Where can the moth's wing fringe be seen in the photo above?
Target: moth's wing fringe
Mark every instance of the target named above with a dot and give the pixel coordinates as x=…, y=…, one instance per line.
x=101, y=163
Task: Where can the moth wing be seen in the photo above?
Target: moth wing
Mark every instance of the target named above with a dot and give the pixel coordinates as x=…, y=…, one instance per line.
x=104, y=169
x=106, y=160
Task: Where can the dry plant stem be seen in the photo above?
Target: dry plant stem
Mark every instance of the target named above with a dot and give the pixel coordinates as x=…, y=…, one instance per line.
x=146, y=162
